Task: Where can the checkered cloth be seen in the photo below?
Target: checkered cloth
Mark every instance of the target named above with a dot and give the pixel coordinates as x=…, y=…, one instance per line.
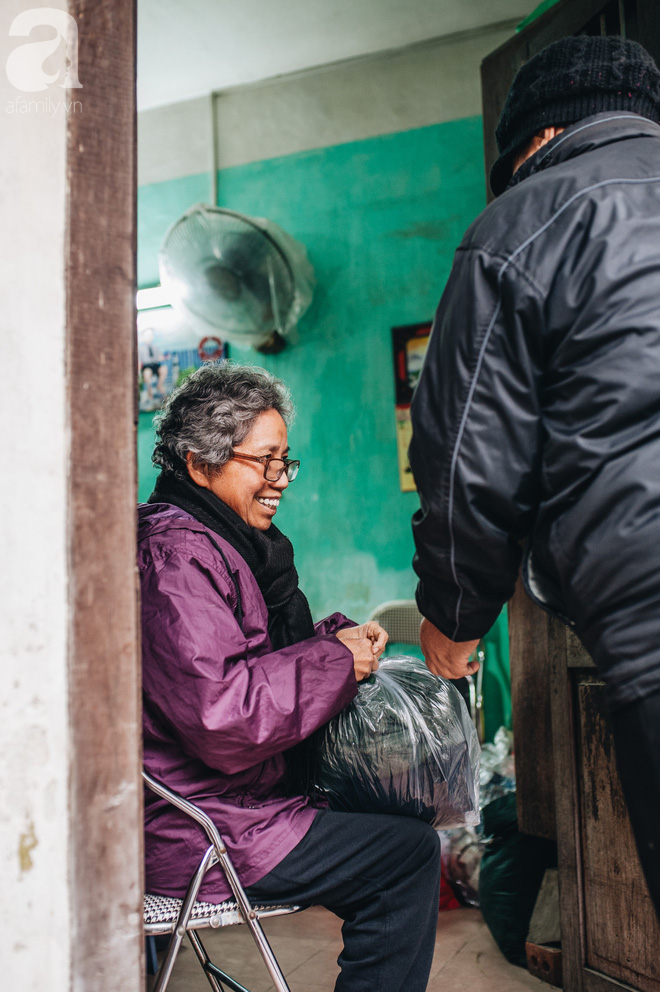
x=162, y=912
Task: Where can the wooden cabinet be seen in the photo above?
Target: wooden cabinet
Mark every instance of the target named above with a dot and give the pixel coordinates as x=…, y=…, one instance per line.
x=568, y=788
x=621, y=935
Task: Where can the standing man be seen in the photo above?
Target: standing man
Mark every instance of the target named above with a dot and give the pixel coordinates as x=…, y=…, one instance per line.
x=537, y=414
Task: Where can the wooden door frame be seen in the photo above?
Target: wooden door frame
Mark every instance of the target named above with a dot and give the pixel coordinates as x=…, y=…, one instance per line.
x=104, y=673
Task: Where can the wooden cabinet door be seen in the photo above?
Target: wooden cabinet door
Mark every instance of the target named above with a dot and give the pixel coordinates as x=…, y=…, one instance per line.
x=610, y=935
x=568, y=787
x=621, y=936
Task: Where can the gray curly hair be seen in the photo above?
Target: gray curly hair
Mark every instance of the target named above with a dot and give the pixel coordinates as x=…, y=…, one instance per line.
x=212, y=412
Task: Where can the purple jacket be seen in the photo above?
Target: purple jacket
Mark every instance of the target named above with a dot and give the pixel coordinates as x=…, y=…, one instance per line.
x=221, y=706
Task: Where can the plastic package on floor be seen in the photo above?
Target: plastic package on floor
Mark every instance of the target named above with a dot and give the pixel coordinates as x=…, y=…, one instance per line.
x=463, y=849
x=405, y=745
x=461, y=854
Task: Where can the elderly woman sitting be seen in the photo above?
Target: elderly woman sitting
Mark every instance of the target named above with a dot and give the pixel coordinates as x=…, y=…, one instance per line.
x=236, y=674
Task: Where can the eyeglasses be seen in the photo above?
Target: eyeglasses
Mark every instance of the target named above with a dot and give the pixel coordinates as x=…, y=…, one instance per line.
x=274, y=468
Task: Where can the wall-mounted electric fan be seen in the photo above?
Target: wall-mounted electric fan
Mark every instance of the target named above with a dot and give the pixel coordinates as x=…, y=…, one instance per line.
x=241, y=278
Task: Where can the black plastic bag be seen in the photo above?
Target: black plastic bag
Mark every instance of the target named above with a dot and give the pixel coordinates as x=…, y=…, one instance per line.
x=405, y=745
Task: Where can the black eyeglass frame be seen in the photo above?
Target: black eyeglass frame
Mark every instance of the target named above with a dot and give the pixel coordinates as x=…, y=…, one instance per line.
x=289, y=465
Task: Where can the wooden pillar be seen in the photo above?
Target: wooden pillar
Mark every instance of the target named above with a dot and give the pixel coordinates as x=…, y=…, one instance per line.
x=105, y=785
x=532, y=717
x=70, y=831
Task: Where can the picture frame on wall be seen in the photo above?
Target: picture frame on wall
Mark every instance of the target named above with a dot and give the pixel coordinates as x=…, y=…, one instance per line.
x=409, y=344
x=168, y=349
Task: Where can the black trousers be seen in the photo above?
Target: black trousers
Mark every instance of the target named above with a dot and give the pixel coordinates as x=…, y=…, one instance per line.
x=381, y=875
x=637, y=744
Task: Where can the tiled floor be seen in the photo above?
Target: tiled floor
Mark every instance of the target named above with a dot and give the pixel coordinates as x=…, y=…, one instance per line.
x=307, y=944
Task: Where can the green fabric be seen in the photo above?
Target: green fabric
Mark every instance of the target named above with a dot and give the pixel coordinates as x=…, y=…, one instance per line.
x=496, y=686
x=397, y=648
x=512, y=870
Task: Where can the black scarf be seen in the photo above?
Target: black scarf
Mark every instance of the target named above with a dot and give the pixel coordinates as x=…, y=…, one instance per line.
x=268, y=553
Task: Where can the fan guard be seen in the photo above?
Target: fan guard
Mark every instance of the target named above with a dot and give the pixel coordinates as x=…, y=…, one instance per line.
x=240, y=277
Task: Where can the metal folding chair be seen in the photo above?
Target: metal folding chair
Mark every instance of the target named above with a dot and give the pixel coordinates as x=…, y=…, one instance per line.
x=164, y=915
x=401, y=620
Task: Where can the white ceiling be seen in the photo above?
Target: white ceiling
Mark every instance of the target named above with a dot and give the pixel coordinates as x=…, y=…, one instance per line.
x=190, y=47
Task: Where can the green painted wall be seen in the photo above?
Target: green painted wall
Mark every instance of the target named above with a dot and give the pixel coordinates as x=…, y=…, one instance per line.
x=381, y=219
x=159, y=204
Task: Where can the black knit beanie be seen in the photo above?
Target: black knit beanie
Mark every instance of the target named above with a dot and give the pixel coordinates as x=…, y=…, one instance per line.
x=571, y=79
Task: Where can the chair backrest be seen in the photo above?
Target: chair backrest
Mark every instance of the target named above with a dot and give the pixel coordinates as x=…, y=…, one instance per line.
x=217, y=853
x=401, y=620
x=187, y=807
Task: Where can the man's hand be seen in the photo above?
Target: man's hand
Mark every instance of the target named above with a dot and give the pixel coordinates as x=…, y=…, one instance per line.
x=450, y=659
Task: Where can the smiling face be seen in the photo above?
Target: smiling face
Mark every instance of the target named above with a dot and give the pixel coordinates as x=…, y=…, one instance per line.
x=241, y=484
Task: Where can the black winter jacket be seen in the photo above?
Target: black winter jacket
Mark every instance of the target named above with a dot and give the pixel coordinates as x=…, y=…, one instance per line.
x=537, y=413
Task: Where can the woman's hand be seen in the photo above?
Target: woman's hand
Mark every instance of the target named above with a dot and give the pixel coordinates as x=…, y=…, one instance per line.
x=366, y=643
x=376, y=634
x=450, y=659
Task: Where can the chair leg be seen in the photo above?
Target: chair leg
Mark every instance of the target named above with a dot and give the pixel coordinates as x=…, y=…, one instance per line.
x=216, y=975
x=182, y=922
x=213, y=973
x=150, y=954
x=274, y=970
x=168, y=963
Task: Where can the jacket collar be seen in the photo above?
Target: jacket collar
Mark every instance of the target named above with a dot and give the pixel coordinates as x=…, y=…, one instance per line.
x=585, y=136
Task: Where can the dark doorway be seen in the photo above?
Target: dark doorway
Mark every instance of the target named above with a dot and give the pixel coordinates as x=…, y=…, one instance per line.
x=635, y=19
